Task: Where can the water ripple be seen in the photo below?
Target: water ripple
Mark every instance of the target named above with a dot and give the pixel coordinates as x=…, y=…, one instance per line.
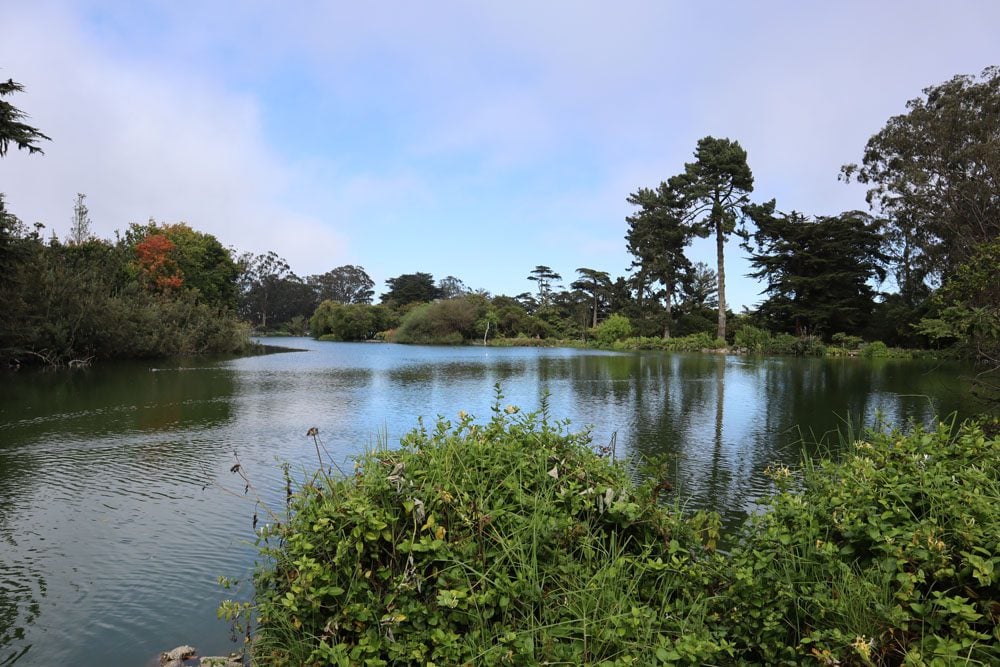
x=118, y=510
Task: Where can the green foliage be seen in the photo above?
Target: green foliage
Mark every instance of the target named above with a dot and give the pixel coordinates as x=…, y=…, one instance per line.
x=693, y=323
x=410, y=288
x=752, y=339
x=970, y=315
x=809, y=346
x=297, y=326
x=887, y=557
x=783, y=343
x=846, y=341
x=613, y=329
x=597, y=284
x=344, y=284
x=270, y=294
x=715, y=191
x=546, y=279
x=505, y=543
x=875, y=350
x=694, y=343
x=445, y=322
x=895, y=320
x=657, y=235
x=206, y=265
x=934, y=173
x=79, y=302
x=514, y=543
x=349, y=322
x=817, y=270
x=12, y=129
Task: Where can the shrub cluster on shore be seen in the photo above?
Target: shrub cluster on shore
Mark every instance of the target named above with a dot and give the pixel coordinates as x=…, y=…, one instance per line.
x=515, y=542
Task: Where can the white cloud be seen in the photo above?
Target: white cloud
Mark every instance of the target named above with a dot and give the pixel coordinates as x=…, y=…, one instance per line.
x=453, y=136
x=145, y=143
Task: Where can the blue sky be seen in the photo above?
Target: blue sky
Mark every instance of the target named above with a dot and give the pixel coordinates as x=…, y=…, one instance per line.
x=475, y=139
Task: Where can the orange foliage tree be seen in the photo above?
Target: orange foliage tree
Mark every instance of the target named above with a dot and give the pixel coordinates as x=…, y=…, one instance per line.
x=156, y=264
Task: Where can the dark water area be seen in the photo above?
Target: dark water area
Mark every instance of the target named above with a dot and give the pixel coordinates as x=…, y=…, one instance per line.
x=118, y=511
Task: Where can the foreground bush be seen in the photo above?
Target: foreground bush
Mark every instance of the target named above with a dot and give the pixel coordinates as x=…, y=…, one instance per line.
x=891, y=556
x=509, y=543
x=514, y=543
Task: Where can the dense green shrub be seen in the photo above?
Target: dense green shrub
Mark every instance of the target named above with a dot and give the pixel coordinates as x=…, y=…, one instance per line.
x=444, y=322
x=69, y=303
x=611, y=330
x=694, y=323
x=349, y=322
x=846, y=341
x=809, y=346
x=505, y=543
x=694, y=343
x=752, y=339
x=514, y=543
x=875, y=350
x=783, y=343
x=888, y=557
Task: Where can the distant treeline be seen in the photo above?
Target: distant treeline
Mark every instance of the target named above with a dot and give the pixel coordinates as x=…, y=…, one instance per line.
x=158, y=290
x=918, y=270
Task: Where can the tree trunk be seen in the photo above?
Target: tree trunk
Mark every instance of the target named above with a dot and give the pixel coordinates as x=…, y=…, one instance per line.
x=720, y=243
x=670, y=313
x=595, y=310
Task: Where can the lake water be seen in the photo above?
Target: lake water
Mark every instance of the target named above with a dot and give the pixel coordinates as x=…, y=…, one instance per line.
x=118, y=511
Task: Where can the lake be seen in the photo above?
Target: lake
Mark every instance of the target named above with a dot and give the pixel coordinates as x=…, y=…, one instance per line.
x=118, y=510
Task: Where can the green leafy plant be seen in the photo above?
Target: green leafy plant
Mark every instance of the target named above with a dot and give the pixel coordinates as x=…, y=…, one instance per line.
x=846, y=341
x=513, y=542
x=510, y=542
x=875, y=350
x=615, y=328
x=887, y=557
x=752, y=339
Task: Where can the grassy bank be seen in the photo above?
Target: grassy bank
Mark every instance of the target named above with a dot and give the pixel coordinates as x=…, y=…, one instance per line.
x=515, y=542
x=752, y=342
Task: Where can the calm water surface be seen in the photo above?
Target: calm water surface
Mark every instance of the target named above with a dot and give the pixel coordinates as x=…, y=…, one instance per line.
x=118, y=511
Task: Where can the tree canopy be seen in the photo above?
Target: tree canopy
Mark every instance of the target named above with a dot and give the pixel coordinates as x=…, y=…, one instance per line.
x=344, y=284
x=597, y=285
x=817, y=270
x=12, y=129
x=934, y=173
x=140, y=296
x=546, y=278
x=657, y=236
x=411, y=288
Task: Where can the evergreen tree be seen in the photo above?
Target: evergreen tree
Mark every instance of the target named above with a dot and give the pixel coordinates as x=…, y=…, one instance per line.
x=597, y=285
x=545, y=277
x=411, y=288
x=657, y=236
x=714, y=189
x=23, y=136
x=818, y=270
